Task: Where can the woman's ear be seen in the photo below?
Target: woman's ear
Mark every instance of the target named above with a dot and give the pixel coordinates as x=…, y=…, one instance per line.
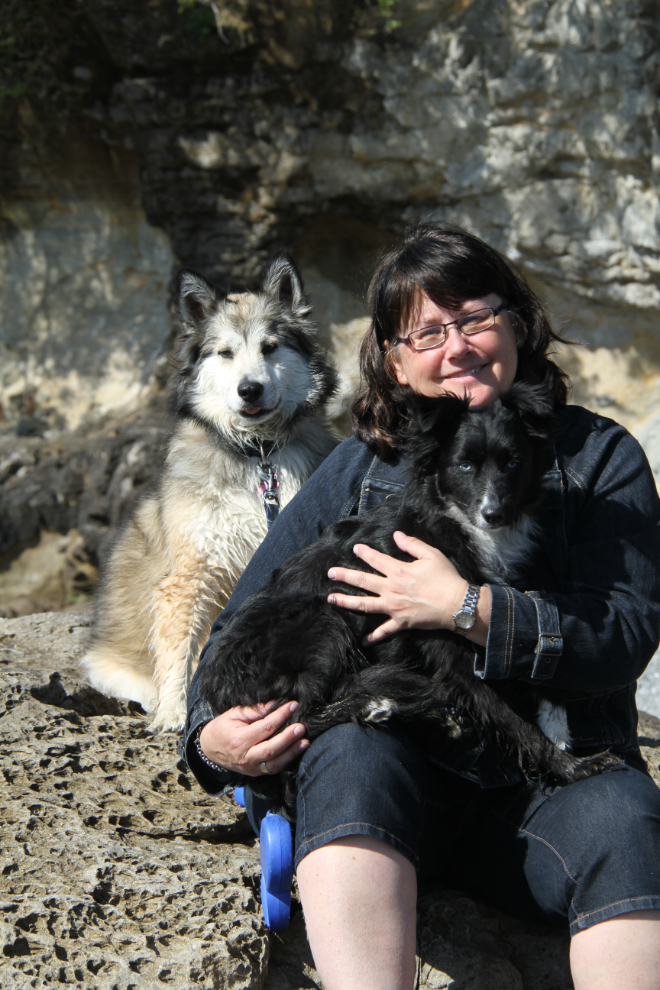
x=518, y=327
x=395, y=364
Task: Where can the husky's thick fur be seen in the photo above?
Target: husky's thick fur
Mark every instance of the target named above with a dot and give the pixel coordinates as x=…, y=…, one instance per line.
x=251, y=382
x=476, y=483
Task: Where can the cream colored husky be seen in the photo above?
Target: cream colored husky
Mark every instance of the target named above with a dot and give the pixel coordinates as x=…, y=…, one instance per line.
x=251, y=384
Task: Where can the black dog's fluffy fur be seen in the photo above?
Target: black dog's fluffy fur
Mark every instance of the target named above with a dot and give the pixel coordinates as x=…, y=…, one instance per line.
x=475, y=483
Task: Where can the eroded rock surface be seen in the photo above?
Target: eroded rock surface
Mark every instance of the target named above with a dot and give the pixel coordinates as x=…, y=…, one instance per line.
x=119, y=872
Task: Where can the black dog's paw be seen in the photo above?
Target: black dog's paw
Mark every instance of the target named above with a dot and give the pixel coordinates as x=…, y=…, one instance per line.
x=589, y=766
x=565, y=768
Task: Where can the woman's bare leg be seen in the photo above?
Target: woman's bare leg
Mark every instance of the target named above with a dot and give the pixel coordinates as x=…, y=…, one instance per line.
x=621, y=952
x=359, y=897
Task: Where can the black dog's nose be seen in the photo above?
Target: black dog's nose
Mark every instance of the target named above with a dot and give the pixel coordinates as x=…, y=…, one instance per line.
x=493, y=516
x=250, y=390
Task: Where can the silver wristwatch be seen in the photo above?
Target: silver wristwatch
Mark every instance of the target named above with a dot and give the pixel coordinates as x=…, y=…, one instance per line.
x=466, y=616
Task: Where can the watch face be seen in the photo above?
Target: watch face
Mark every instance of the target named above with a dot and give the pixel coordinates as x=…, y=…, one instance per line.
x=464, y=620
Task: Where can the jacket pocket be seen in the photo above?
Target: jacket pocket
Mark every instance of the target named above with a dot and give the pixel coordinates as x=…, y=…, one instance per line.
x=374, y=491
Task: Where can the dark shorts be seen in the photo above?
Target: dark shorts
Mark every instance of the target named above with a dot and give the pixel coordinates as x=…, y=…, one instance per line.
x=585, y=853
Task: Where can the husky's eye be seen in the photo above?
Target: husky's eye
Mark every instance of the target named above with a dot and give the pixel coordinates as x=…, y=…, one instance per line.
x=226, y=353
x=512, y=465
x=269, y=348
x=466, y=466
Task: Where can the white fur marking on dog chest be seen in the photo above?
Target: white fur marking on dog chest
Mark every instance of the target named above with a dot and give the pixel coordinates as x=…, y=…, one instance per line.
x=379, y=710
x=553, y=723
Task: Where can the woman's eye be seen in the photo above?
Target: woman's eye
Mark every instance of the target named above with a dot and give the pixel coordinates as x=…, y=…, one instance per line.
x=226, y=353
x=466, y=466
x=269, y=348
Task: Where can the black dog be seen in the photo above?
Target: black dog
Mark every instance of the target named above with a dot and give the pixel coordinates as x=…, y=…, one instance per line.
x=475, y=484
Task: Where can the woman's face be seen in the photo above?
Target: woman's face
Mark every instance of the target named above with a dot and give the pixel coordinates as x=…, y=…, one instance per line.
x=483, y=365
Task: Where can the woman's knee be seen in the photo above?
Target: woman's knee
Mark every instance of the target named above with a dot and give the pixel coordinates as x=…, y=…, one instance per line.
x=619, y=810
x=604, y=834
x=360, y=782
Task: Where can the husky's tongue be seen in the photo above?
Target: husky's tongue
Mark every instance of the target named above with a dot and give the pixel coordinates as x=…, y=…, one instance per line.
x=252, y=412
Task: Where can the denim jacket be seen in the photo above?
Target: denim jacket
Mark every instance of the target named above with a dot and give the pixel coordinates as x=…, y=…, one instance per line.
x=584, y=619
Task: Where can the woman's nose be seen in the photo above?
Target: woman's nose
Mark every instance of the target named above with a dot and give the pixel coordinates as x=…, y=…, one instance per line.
x=456, y=343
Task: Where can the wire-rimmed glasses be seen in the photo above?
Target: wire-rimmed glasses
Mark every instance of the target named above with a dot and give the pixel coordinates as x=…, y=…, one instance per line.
x=434, y=336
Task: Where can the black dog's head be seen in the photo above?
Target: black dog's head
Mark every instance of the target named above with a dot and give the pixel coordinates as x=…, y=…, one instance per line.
x=485, y=462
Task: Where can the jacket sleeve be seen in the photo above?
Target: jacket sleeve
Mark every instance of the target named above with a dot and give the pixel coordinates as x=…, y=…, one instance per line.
x=326, y=497
x=599, y=630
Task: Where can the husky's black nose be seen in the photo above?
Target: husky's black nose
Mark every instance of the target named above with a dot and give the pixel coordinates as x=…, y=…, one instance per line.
x=250, y=390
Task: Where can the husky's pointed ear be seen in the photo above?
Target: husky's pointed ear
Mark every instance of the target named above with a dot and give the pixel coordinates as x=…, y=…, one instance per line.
x=283, y=282
x=196, y=298
x=535, y=406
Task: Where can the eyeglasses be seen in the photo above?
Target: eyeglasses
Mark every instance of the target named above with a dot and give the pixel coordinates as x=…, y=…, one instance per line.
x=427, y=337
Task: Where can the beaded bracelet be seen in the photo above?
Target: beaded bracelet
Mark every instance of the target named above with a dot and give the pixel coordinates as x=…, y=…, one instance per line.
x=202, y=755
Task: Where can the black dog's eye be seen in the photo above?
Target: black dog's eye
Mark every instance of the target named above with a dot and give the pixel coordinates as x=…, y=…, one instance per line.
x=226, y=353
x=512, y=465
x=269, y=348
x=466, y=466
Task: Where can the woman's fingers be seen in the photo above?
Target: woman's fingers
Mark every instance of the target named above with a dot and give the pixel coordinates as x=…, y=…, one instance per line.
x=242, y=738
x=410, y=544
x=266, y=724
x=357, y=603
x=275, y=753
x=358, y=579
x=381, y=632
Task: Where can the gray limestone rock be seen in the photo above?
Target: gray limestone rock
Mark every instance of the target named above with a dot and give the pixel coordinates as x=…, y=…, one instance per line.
x=118, y=872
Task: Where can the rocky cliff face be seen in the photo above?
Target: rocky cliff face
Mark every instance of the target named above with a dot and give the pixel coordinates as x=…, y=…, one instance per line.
x=157, y=138
x=118, y=871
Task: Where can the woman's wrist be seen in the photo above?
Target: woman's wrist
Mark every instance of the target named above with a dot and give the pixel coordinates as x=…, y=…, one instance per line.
x=479, y=632
x=200, y=752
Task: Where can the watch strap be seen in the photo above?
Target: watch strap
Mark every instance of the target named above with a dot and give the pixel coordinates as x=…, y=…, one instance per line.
x=469, y=607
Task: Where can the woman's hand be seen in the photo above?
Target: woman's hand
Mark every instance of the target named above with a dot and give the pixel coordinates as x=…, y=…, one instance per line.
x=420, y=594
x=243, y=738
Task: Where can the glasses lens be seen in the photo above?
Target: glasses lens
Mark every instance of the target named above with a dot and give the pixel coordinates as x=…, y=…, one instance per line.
x=476, y=322
x=427, y=337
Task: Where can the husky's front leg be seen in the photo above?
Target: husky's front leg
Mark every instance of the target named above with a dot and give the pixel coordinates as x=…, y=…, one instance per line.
x=185, y=606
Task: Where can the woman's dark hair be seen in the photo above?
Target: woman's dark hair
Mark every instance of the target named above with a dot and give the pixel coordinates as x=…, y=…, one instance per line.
x=449, y=265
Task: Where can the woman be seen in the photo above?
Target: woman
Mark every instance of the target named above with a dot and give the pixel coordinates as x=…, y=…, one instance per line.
x=371, y=807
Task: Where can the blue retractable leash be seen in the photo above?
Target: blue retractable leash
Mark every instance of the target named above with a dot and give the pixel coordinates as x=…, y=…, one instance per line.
x=276, y=867
x=275, y=835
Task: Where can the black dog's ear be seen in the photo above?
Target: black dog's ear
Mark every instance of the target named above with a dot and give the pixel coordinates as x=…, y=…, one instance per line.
x=432, y=425
x=283, y=282
x=535, y=406
x=197, y=299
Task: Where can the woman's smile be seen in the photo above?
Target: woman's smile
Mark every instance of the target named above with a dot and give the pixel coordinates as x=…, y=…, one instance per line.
x=482, y=365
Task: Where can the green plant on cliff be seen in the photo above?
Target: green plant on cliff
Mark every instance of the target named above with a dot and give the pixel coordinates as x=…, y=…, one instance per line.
x=199, y=17
x=386, y=10
x=41, y=44
x=377, y=16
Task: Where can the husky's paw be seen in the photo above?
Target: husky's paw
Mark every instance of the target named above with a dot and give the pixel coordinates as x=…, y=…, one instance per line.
x=379, y=710
x=168, y=720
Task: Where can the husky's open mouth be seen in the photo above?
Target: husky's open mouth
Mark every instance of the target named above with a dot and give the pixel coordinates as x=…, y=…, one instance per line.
x=256, y=412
